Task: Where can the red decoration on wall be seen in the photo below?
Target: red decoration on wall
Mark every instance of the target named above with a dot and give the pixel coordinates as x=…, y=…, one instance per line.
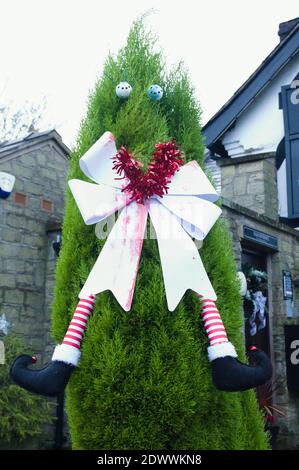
x=142, y=185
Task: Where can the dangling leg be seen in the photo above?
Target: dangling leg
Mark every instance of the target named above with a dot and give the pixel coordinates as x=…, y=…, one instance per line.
x=69, y=350
x=215, y=330
x=53, y=378
x=228, y=372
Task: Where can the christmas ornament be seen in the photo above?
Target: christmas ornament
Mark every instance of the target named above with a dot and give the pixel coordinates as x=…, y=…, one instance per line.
x=179, y=199
x=155, y=92
x=123, y=90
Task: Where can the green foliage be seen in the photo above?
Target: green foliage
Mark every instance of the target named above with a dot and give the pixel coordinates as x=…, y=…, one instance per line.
x=144, y=381
x=22, y=414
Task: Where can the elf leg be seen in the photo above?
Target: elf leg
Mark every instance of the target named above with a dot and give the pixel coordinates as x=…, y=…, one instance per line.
x=53, y=378
x=228, y=372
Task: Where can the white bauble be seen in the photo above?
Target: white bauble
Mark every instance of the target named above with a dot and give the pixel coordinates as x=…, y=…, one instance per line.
x=123, y=90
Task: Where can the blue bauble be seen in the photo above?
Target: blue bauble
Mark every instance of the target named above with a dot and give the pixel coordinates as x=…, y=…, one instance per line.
x=155, y=92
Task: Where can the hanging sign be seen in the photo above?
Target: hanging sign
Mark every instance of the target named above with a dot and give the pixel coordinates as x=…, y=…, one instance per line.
x=292, y=356
x=287, y=285
x=261, y=238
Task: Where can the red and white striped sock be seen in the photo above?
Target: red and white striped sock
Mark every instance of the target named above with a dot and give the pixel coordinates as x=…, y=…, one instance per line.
x=215, y=329
x=69, y=350
x=75, y=332
x=213, y=324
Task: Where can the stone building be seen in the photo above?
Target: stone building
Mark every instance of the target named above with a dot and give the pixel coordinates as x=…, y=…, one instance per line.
x=252, y=147
x=30, y=221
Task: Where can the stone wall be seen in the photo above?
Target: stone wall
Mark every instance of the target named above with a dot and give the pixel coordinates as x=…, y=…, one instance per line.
x=251, y=182
x=27, y=258
x=249, y=191
x=286, y=258
x=24, y=250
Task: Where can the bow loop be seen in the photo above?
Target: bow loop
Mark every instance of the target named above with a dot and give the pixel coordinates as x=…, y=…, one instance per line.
x=96, y=163
x=192, y=181
x=96, y=202
x=197, y=216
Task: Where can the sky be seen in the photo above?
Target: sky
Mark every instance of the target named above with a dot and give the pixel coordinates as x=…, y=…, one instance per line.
x=56, y=49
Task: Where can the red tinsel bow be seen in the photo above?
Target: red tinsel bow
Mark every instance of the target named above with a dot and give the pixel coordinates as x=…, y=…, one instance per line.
x=164, y=163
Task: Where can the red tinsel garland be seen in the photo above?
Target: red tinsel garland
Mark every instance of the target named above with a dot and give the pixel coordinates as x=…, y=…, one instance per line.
x=164, y=163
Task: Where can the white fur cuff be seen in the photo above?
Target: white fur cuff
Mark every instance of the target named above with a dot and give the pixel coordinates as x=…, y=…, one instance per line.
x=67, y=354
x=221, y=350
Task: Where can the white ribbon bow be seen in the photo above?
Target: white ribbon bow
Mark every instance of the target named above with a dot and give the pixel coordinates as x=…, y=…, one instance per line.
x=187, y=209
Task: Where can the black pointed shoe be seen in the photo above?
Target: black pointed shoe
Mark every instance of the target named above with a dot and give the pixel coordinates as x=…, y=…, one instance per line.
x=49, y=381
x=231, y=375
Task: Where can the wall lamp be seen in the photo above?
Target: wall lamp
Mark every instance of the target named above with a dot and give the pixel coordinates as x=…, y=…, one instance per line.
x=7, y=182
x=57, y=244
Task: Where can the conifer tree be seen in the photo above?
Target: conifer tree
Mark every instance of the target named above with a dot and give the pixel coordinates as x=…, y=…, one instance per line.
x=144, y=380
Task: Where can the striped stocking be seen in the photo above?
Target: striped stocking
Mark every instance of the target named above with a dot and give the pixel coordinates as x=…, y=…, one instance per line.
x=75, y=332
x=213, y=324
x=69, y=350
x=215, y=329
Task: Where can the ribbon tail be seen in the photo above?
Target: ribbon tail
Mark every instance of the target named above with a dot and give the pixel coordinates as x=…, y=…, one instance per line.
x=181, y=264
x=117, y=265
